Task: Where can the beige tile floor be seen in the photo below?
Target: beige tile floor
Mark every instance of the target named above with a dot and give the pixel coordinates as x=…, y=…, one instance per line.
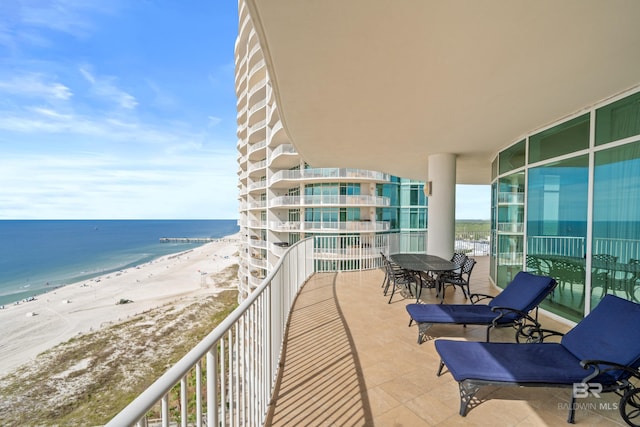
x=351, y=360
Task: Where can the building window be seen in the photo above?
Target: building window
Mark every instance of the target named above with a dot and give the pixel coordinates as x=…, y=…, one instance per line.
x=565, y=138
x=557, y=196
x=616, y=223
x=618, y=120
x=509, y=216
x=512, y=158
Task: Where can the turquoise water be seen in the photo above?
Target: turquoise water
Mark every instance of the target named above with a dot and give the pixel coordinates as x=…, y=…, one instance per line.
x=39, y=255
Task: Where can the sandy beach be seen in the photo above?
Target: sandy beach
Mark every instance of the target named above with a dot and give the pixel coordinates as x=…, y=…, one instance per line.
x=32, y=327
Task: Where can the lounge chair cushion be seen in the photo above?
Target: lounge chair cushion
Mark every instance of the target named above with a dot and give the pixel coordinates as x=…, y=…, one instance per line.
x=467, y=314
x=608, y=333
x=510, y=362
x=595, y=337
x=525, y=292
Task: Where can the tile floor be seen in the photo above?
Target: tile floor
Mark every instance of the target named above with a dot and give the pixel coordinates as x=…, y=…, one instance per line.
x=351, y=360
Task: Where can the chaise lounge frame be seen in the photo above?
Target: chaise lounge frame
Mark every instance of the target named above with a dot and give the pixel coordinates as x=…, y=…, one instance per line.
x=510, y=308
x=611, y=366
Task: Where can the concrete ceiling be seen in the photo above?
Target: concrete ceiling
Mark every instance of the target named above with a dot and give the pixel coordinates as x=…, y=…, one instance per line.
x=381, y=84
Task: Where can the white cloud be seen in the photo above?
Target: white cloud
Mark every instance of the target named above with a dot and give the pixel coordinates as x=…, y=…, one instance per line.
x=76, y=185
x=214, y=121
x=105, y=88
x=35, y=85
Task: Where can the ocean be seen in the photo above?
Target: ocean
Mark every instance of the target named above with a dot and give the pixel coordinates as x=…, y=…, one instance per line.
x=37, y=256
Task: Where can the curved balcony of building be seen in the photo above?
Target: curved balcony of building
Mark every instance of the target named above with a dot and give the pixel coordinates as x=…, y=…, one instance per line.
x=254, y=223
x=272, y=113
x=510, y=227
x=241, y=95
x=351, y=252
x=257, y=72
x=257, y=204
x=257, y=150
x=257, y=261
x=240, y=80
x=255, y=280
x=329, y=174
x=244, y=28
x=253, y=42
x=511, y=198
x=258, y=244
x=278, y=135
x=257, y=131
x=241, y=145
x=257, y=168
x=330, y=200
x=258, y=113
x=279, y=248
x=242, y=114
x=257, y=91
x=284, y=157
x=243, y=14
x=240, y=62
x=330, y=226
x=241, y=131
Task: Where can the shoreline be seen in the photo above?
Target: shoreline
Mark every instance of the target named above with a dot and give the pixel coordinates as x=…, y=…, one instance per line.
x=30, y=328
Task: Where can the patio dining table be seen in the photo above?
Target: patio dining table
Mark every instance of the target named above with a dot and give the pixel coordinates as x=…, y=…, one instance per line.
x=432, y=264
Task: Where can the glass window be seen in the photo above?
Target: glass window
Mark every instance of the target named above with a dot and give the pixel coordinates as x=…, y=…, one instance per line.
x=392, y=191
x=494, y=169
x=618, y=120
x=616, y=223
x=565, y=138
x=513, y=157
x=557, y=229
x=510, y=227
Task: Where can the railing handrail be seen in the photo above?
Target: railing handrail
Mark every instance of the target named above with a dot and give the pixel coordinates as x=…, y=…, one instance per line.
x=147, y=399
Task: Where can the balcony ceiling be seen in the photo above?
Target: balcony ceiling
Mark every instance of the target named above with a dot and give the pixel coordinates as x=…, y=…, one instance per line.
x=381, y=85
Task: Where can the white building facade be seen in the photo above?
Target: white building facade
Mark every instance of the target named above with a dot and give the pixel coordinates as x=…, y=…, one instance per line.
x=351, y=213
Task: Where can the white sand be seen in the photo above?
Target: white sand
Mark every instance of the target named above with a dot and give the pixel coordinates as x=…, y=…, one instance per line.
x=32, y=327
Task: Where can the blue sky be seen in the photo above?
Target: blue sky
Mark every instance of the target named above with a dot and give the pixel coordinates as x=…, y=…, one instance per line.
x=124, y=109
x=117, y=109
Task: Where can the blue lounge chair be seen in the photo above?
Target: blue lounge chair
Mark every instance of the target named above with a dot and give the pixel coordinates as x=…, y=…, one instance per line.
x=601, y=352
x=509, y=308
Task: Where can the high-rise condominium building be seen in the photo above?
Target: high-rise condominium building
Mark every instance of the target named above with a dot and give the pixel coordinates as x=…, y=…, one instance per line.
x=349, y=212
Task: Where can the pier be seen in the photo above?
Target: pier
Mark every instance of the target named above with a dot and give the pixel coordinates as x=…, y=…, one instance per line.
x=188, y=239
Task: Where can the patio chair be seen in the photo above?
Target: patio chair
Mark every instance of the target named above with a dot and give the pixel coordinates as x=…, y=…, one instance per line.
x=601, y=353
x=510, y=307
x=460, y=278
x=397, y=278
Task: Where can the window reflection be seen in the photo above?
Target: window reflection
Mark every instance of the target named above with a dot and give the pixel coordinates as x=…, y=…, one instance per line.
x=557, y=230
x=616, y=223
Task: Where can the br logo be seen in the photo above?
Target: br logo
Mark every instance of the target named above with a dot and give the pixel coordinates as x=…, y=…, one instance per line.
x=581, y=390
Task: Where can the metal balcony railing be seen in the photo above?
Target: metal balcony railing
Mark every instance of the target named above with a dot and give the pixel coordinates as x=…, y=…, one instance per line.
x=330, y=174
x=234, y=368
x=354, y=200
x=331, y=226
x=229, y=377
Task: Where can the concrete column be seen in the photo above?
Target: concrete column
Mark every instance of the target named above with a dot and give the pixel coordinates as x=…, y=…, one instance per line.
x=442, y=205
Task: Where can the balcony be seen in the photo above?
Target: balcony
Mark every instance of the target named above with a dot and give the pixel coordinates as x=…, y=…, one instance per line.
x=331, y=226
x=349, y=359
x=329, y=174
x=329, y=200
x=352, y=360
